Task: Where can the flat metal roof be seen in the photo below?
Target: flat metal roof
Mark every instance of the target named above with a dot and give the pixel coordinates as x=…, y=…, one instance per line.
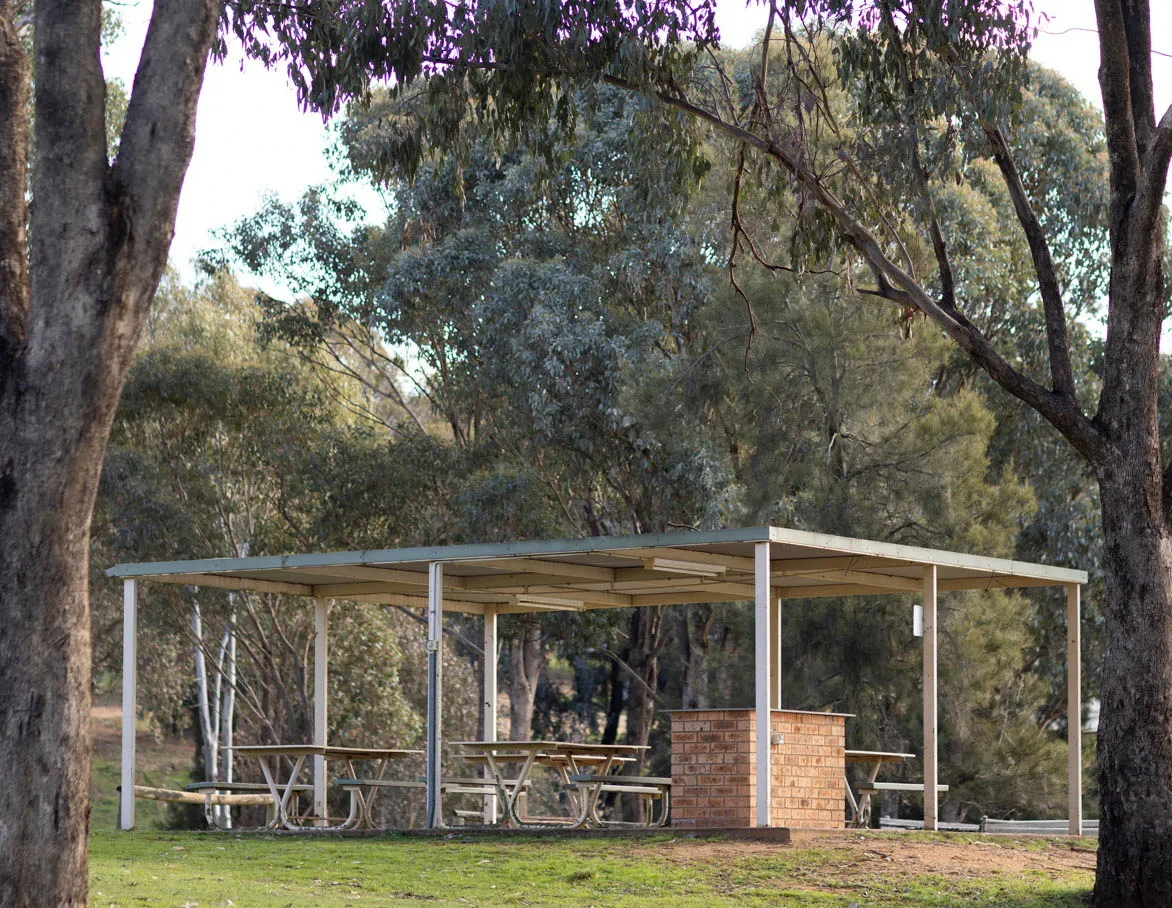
x=608, y=571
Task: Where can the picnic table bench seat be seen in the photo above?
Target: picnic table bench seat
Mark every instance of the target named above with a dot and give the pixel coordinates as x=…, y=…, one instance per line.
x=449, y=784
x=1036, y=827
x=876, y=787
x=650, y=789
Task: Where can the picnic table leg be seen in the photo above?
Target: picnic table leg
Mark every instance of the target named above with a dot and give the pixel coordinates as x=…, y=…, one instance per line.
x=664, y=806
x=283, y=813
x=511, y=817
x=606, y=769
x=359, y=809
x=864, y=818
x=854, y=805
x=590, y=795
x=571, y=791
x=582, y=797
x=354, y=817
x=276, y=811
x=367, y=801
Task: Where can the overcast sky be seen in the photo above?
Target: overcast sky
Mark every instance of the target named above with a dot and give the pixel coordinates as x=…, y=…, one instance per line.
x=251, y=138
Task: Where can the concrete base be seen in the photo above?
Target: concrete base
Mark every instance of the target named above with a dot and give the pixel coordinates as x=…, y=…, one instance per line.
x=776, y=834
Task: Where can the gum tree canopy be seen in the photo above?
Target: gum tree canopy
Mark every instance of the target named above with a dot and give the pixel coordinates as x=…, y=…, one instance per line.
x=935, y=90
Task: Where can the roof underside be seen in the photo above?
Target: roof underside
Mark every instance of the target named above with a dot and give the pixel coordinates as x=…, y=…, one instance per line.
x=608, y=572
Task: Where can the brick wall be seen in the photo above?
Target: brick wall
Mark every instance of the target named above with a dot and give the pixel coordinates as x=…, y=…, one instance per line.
x=713, y=768
x=809, y=770
x=713, y=753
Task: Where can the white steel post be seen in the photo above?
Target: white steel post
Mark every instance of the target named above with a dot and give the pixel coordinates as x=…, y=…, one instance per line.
x=321, y=683
x=775, y=652
x=490, y=699
x=763, y=593
x=129, y=699
x=931, y=744
x=435, y=632
x=1074, y=707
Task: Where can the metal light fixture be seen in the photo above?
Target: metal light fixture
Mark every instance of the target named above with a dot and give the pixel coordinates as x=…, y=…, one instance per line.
x=692, y=568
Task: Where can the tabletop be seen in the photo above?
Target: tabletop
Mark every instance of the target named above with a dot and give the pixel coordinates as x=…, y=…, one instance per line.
x=553, y=747
x=876, y=756
x=338, y=753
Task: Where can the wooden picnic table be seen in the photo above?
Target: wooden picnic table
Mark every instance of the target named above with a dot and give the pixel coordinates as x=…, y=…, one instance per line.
x=570, y=759
x=270, y=756
x=874, y=759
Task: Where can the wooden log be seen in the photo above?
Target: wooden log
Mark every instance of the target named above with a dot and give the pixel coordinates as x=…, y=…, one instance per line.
x=194, y=797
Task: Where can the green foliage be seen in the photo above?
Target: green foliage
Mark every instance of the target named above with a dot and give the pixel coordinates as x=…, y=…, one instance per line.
x=219, y=446
x=483, y=62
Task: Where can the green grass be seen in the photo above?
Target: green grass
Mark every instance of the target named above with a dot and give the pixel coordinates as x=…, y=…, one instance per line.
x=220, y=870
x=163, y=764
x=216, y=869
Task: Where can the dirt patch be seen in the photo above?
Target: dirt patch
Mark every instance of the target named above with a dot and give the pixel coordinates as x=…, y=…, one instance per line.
x=863, y=854
x=106, y=725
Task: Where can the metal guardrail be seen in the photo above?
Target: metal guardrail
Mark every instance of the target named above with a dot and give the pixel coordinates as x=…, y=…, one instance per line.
x=1036, y=827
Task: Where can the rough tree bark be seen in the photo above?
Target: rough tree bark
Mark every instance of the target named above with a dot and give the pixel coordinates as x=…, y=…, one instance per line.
x=694, y=628
x=70, y=316
x=527, y=658
x=643, y=658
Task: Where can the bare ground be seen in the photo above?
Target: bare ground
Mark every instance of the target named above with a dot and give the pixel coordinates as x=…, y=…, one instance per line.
x=897, y=855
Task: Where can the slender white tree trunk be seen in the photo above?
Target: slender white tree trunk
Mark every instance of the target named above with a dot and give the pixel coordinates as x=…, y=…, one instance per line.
x=208, y=729
x=228, y=711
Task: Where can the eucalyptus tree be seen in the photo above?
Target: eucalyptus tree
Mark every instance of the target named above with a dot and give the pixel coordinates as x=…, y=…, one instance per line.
x=530, y=290
x=866, y=181
x=202, y=461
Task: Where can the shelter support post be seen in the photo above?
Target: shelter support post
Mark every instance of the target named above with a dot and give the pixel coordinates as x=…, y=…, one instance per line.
x=321, y=696
x=775, y=652
x=129, y=699
x=1074, y=707
x=435, y=634
x=761, y=624
x=490, y=699
x=931, y=744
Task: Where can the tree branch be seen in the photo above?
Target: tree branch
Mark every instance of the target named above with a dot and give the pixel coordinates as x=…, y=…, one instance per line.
x=1061, y=373
x=1060, y=410
x=1153, y=182
x=159, y=134
x=895, y=283
x=1137, y=25
x=14, y=99
x=1114, y=81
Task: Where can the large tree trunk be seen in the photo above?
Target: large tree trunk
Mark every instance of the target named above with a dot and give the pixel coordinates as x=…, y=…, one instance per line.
x=526, y=662
x=1135, y=728
x=96, y=247
x=695, y=626
x=46, y=497
x=643, y=658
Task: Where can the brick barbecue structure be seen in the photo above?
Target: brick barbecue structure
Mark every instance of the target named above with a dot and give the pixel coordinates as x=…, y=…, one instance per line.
x=713, y=768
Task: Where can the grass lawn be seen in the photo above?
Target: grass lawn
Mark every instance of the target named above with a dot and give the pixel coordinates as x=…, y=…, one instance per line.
x=876, y=870
x=873, y=869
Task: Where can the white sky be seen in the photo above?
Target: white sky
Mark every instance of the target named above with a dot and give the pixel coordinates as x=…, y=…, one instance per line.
x=252, y=139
